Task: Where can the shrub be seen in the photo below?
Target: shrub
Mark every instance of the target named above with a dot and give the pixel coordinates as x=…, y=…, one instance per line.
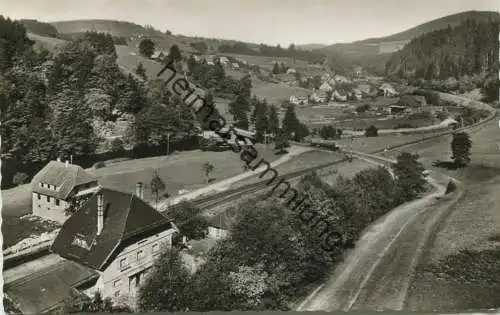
x=371, y=131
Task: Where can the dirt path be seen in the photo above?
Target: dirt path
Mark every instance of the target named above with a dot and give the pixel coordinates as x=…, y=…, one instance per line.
x=376, y=274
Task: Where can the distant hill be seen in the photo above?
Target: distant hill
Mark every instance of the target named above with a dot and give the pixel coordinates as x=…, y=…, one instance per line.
x=116, y=28
x=310, y=46
x=434, y=25
x=374, y=51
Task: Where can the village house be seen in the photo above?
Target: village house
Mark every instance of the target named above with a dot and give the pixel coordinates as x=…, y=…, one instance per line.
x=291, y=71
x=223, y=60
x=319, y=96
x=55, y=185
x=326, y=87
x=357, y=94
x=336, y=96
x=117, y=235
x=235, y=66
x=299, y=100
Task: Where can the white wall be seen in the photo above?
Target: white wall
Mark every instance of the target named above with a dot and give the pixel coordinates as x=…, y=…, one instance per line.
x=113, y=272
x=216, y=233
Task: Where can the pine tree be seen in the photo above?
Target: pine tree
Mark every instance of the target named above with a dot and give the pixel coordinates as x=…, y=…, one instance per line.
x=273, y=121
x=141, y=71
x=290, y=121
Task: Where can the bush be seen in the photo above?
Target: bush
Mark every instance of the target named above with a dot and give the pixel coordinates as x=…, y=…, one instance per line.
x=20, y=179
x=371, y=131
x=451, y=187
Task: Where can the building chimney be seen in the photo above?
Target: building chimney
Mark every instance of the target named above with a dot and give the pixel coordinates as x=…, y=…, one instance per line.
x=67, y=163
x=100, y=212
x=139, y=191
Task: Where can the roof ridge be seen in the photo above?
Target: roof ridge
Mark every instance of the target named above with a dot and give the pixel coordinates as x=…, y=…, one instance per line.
x=118, y=242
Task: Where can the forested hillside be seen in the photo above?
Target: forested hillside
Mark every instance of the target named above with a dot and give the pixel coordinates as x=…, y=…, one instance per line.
x=60, y=105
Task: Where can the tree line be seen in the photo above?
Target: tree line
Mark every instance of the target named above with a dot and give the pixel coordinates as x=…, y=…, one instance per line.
x=463, y=51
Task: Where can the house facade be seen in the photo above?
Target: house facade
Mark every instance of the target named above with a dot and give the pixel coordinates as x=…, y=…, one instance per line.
x=220, y=225
x=119, y=236
x=55, y=185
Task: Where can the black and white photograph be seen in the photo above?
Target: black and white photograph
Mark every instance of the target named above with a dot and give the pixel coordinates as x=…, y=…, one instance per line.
x=250, y=155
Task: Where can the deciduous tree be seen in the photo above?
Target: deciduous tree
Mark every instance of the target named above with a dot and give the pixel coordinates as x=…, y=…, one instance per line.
x=460, y=148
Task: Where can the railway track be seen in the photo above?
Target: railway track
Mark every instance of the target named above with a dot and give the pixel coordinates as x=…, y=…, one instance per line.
x=218, y=199
x=233, y=194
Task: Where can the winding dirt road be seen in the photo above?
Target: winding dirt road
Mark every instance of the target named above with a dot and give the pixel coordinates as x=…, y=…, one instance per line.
x=376, y=274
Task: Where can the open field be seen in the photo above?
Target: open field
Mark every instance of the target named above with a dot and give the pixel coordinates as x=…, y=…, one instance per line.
x=370, y=144
x=306, y=160
x=49, y=43
x=179, y=171
x=268, y=62
x=380, y=123
x=276, y=93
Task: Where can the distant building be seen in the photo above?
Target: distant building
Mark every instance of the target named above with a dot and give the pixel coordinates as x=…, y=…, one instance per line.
x=223, y=60
x=357, y=94
x=119, y=236
x=319, y=96
x=336, y=96
x=396, y=109
x=235, y=66
x=291, y=71
x=55, y=185
x=326, y=87
x=388, y=90
x=299, y=100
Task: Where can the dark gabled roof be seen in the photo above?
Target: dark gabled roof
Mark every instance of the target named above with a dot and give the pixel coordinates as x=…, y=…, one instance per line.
x=126, y=217
x=62, y=176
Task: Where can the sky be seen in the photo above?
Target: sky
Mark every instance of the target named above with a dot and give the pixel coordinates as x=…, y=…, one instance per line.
x=258, y=21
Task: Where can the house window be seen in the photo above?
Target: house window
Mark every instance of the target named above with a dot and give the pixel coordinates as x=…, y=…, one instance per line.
x=57, y=202
x=140, y=255
x=39, y=196
x=117, y=283
x=123, y=263
x=48, y=198
x=41, y=184
x=156, y=247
